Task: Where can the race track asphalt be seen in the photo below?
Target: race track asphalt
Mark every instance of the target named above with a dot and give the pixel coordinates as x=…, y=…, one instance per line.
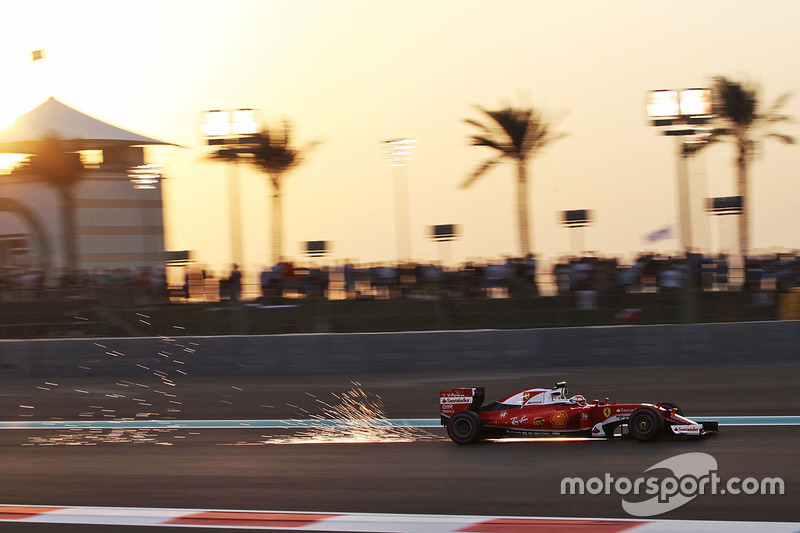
x=240, y=469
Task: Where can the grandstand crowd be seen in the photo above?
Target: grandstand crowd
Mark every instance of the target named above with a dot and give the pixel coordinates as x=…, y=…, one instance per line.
x=506, y=278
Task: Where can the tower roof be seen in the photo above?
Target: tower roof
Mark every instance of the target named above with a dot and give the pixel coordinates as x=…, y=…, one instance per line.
x=56, y=119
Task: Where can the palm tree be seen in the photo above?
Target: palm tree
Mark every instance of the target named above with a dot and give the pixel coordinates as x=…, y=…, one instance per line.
x=272, y=152
x=62, y=169
x=517, y=135
x=742, y=121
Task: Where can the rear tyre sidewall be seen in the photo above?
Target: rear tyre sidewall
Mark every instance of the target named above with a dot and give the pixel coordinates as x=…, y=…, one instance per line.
x=645, y=424
x=465, y=427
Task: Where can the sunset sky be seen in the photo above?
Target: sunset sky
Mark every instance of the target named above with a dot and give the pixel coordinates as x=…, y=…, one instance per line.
x=351, y=74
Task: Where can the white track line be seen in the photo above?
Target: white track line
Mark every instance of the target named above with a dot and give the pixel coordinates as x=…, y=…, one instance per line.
x=295, y=424
x=365, y=522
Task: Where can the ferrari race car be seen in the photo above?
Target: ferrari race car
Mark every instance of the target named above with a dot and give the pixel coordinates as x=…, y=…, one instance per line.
x=551, y=412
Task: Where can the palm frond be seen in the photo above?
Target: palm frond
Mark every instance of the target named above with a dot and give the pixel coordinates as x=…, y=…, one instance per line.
x=480, y=171
x=478, y=140
x=777, y=119
x=477, y=125
x=735, y=102
x=778, y=104
x=270, y=150
x=785, y=139
x=517, y=133
x=57, y=162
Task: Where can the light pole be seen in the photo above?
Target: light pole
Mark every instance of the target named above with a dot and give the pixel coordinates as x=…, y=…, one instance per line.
x=229, y=131
x=689, y=110
x=683, y=113
x=398, y=152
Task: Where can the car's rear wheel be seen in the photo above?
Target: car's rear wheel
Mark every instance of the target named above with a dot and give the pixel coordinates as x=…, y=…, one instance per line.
x=645, y=424
x=465, y=427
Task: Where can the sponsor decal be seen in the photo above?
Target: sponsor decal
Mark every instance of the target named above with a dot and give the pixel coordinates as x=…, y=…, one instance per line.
x=459, y=400
x=543, y=433
x=694, y=429
x=538, y=421
x=503, y=414
x=584, y=416
x=525, y=396
x=606, y=412
x=517, y=420
x=559, y=419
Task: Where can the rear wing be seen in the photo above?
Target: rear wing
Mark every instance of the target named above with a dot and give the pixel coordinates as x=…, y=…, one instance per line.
x=455, y=400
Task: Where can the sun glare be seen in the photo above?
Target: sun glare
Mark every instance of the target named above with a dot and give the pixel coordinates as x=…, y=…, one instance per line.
x=25, y=60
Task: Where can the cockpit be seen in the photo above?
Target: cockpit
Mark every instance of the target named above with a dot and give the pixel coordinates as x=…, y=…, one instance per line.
x=555, y=395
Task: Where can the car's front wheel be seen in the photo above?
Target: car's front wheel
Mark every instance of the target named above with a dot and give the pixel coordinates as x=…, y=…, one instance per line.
x=645, y=424
x=465, y=427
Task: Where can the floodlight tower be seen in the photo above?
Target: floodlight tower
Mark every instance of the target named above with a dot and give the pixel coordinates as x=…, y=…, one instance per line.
x=398, y=152
x=683, y=113
x=229, y=131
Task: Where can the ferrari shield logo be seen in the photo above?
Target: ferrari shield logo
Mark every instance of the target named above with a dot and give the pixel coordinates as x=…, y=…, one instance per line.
x=607, y=412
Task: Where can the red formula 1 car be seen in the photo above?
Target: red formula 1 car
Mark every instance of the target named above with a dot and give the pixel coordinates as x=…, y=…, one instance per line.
x=551, y=412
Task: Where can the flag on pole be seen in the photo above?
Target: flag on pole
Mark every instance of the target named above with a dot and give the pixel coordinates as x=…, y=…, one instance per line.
x=659, y=235
x=37, y=54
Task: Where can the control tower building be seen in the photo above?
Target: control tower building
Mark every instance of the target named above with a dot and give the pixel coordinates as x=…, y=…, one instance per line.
x=84, y=199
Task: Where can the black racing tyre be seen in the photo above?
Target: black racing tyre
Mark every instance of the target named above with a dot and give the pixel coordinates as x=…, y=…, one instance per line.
x=645, y=424
x=669, y=405
x=465, y=427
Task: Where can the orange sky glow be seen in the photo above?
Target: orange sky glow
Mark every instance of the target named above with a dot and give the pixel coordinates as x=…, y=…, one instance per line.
x=352, y=74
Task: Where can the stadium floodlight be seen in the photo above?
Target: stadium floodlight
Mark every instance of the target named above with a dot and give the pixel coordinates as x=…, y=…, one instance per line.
x=244, y=122
x=216, y=123
x=695, y=102
x=227, y=130
x=398, y=151
x=663, y=104
x=145, y=176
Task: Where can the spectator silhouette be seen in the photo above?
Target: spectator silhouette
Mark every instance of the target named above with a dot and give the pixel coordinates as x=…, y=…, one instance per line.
x=235, y=284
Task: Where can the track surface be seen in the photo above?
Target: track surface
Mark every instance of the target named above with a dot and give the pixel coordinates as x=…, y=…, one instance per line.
x=214, y=469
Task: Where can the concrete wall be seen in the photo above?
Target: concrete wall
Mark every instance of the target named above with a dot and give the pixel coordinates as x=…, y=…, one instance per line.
x=437, y=351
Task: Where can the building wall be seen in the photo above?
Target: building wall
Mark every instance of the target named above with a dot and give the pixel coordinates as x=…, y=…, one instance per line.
x=117, y=226
x=42, y=203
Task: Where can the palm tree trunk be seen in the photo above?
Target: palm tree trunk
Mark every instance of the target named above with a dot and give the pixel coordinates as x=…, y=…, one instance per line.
x=277, y=222
x=68, y=223
x=744, y=218
x=522, y=208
